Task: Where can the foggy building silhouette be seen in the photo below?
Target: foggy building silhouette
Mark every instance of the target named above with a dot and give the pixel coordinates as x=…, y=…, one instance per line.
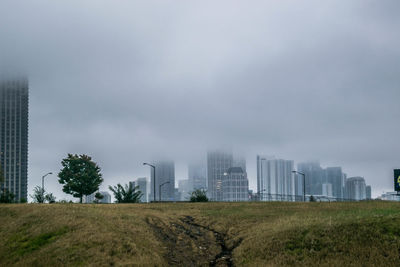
x=235, y=186
x=275, y=180
x=143, y=184
x=165, y=173
x=197, y=174
x=368, y=192
x=334, y=177
x=185, y=187
x=355, y=188
x=315, y=177
x=14, y=98
x=218, y=163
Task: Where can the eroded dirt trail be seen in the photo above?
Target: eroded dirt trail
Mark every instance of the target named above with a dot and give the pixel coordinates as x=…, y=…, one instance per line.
x=191, y=244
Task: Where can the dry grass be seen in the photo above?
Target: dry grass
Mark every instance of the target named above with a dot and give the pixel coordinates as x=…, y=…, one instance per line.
x=254, y=234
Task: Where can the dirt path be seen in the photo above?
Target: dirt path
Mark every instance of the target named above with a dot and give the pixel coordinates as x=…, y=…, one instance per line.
x=190, y=244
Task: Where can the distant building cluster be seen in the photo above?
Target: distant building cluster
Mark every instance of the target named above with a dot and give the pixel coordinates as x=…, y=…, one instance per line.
x=222, y=175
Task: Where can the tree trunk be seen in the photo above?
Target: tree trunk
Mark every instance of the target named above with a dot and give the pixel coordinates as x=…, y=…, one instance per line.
x=80, y=199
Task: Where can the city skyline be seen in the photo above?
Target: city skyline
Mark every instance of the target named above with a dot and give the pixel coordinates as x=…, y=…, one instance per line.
x=147, y=80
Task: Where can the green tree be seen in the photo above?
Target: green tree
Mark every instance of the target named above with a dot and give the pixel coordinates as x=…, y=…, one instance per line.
x=50, y=198
x=80, y=176
x=98, y=196
x=6, y=196
x=198, y=195
x=38, y=195
x=127, y=194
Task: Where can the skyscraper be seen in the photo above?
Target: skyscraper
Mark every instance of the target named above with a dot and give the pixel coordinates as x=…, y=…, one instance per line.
x=185, y=187
x=143, y=187
x=218, y=163
x=368, y=192
x=235, y=185
x=198, y=176
x=315, y=177
x=355, y=188
x=275, y=179
x=165, y=176
x=14, y=99
x=334, y=177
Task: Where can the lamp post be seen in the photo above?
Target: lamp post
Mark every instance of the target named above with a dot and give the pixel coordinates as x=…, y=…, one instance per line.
x=304, y=184
x=154, y=184
x=159, y=191
x=43, y=181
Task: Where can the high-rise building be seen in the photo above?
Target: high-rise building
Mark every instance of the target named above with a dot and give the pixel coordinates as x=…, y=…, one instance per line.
x=355, y=188
x=334, y=176
x=165, y=177
x=327, y=190
x=235, y=185
x=315, y=176
x=185, y=188
x=198, y=175
x=14, y=99
x=368, y=192
x=275, y=179
x=218, y=163
x=143, y=187
x=239, y=161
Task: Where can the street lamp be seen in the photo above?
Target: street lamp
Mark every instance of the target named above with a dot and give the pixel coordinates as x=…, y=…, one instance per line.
x=43, y=181
x=159, y=191
x=154, y=184
x=304, y=184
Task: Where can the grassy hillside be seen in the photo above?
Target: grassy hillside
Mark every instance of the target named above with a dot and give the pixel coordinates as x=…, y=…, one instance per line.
x=215, y=234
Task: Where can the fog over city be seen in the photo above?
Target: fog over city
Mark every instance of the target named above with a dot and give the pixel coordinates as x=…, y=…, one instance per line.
x=133, y=81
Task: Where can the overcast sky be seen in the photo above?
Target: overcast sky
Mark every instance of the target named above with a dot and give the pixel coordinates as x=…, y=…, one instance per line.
x=132, y=81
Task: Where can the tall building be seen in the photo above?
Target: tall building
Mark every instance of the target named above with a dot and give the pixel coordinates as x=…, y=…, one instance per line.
x=143, y=187
x=185, y=187
x=218, y=163
x=355, y=188
x=239, y=161
x=315, y=177
x=334, y=176
x=275, y=180
x=197, y=174
x=165, y=177
x=368, y=192
x=235, y=185
x=327, y=190
x=14, y=97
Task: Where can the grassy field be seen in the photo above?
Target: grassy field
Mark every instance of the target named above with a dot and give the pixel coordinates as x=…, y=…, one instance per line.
x=201, y=234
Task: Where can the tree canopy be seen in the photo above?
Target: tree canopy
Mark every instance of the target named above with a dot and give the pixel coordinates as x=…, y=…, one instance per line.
x=79, y=175
x=198, y=195
x=127, y=194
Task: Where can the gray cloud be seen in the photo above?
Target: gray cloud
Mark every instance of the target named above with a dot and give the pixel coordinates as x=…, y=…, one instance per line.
x=129, y=81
